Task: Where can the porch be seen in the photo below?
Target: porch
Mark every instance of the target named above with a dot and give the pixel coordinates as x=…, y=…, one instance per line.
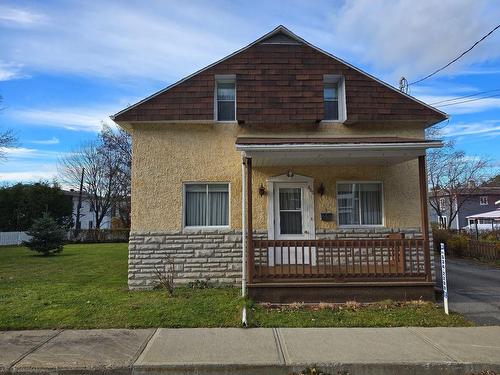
x=284, y=269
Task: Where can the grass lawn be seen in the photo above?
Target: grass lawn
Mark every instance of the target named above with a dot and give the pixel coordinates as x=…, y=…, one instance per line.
x=86, y=287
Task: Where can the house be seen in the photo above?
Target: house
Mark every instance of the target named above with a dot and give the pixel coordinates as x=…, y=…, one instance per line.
x=286, y=169
x=87, y=215
x=475, y=201
x=485, y=221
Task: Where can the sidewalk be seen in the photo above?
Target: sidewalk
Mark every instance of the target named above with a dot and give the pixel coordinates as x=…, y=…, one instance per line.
x=252, y=351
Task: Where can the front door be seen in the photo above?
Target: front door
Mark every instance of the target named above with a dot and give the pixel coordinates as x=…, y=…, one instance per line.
x=293, y=220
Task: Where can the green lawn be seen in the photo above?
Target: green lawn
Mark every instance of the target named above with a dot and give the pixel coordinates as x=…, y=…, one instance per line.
x=86, y=287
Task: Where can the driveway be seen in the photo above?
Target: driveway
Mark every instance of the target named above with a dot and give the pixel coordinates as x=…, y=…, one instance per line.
x=473, y=290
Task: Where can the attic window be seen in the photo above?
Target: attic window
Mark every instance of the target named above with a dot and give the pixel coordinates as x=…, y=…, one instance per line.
x=334, y=98
x=225, y=106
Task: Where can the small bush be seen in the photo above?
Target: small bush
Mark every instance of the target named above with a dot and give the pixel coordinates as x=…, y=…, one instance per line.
x=457, y=244
x=47, y=236
x=440, y=235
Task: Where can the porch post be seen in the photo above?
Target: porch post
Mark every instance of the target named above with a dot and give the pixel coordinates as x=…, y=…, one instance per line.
x=250, y=255
x=424, y=213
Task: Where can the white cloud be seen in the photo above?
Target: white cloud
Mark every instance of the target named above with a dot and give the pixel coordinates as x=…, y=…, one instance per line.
x=29, y=164
x=30, y=153
x=116, y=39
x=20, y=17
x=51, y=141
x=78, y=119
x=165, y=41
x=414, y=38
x=48, y=174
x=462, y=106
x=10, y=71
x=489, y=128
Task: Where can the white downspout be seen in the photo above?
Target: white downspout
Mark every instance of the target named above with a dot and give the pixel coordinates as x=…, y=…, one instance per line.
x=243, y=231
x=243, y=241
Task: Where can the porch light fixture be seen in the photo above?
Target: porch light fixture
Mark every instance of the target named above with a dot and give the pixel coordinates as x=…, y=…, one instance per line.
x=262, y=190
x=321, y=189
x=289, y=174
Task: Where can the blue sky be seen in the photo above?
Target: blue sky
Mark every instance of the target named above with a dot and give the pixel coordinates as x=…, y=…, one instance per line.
x=65, y=66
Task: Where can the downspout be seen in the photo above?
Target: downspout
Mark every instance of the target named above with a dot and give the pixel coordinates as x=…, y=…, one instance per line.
x=243, y=231
x=243, y=242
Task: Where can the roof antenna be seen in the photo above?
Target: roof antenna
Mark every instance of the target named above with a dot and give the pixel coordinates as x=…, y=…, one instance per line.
x=403, y=85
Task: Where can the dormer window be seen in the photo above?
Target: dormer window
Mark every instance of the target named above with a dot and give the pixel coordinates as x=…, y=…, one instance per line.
x=334, y=98
x=225, y=106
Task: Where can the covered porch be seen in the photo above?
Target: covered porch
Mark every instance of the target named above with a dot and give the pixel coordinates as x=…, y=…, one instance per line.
x=298, y=263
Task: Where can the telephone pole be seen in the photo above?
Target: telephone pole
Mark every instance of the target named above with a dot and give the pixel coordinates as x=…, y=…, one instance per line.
x=79, y=206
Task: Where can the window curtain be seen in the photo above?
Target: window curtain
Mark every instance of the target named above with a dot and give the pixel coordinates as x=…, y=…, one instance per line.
x=371, y=204
x=207, y=205
x=359, y=204
x=196, y=205
x=218, y=203
x=348, y=204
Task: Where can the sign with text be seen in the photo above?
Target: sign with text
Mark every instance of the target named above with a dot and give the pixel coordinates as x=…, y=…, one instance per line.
x=443, y=276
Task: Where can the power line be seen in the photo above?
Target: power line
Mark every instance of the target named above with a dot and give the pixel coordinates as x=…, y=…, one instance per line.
x=463, y=97
x=457, y=58
x=470, y=100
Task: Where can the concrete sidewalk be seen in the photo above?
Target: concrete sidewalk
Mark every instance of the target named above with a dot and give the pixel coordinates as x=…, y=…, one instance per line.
x=252, y=351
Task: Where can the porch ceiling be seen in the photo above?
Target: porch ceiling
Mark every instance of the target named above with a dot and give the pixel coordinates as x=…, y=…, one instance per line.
x=333, y=151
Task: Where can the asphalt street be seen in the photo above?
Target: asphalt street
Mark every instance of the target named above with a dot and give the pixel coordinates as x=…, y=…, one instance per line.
x=473, y=290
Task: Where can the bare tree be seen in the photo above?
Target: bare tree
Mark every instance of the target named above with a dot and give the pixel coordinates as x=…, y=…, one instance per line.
x=119, y=144
x=7, y=139
x=453, y=177
x=101, y=181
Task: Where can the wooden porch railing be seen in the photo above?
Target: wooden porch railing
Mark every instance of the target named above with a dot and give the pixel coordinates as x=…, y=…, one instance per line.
x=339, y=260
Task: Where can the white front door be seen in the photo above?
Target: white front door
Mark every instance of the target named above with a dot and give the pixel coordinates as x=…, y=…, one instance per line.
x=293, y=211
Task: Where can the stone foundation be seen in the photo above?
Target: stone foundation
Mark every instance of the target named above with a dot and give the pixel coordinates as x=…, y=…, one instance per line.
x=213, y=256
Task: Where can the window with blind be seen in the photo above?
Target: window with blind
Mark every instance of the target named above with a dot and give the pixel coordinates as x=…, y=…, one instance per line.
x=331, y=101
x=334, y=102
x=359, y=203
x=226, y=99
x=206, y=205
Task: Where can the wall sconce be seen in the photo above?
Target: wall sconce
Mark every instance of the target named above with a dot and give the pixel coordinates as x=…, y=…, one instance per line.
x=289, y=174
x=321, y=189
x=262, y=190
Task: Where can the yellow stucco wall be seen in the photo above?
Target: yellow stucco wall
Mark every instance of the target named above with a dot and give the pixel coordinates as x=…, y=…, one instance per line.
x=167, y=155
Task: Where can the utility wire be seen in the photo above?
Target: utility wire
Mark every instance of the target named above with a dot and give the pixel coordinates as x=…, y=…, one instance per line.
x=470, y=100
x=463, y=97
x=457, y=58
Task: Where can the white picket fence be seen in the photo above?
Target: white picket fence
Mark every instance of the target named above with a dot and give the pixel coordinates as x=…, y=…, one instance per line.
x=13, y=238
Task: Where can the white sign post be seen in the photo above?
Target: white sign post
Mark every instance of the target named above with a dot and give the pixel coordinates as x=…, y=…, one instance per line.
x=443, y=276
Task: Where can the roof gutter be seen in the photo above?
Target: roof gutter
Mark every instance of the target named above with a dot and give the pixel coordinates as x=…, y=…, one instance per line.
x=339, y=147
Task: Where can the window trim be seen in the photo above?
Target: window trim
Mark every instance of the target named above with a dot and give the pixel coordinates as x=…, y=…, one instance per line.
x=225, y=78
x=381, y=183
x=443, y=221
x=189, y=228
x=481, y=198
x=442, y=203
x=340, y=81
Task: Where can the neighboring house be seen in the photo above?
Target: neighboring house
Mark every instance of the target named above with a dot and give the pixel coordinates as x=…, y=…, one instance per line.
x=485, y=221
x=323, y=164
x=87, y=215
x=476, y=201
